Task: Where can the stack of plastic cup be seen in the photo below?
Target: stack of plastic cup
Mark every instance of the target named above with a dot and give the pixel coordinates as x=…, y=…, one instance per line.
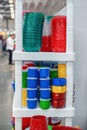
x=58, y=37
x=32, y=83
x=44, y=74
x=32, y=31
x=62, y=70
x=24, y=85
x=46, y=39
x=58, y=92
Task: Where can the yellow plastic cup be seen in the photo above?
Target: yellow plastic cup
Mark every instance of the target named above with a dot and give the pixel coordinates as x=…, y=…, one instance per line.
x=59, y=89
x=62, y=70
x=24, y=97
x=62, y=74
x=61, y=66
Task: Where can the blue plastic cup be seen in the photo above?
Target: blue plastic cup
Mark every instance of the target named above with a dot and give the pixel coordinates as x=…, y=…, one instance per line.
x=44, y=82
x=33, y=72
x=32, y=82
x=59, y=81
x=44, y=72
x=45, y=93
x=32, y=103
x=32, y=93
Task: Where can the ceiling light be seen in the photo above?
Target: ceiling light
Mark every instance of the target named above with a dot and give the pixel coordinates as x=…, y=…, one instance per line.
x=10, y=1
x=11, y=5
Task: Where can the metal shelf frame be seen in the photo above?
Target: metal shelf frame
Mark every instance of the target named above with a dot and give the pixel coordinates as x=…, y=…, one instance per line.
x=69, y=57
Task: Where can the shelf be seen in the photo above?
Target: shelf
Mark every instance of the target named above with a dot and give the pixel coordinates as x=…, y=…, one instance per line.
x=24, y=112
x=47, y=56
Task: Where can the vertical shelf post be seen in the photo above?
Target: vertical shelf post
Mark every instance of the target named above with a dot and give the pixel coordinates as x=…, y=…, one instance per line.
x=69, y=65
x=18, y=64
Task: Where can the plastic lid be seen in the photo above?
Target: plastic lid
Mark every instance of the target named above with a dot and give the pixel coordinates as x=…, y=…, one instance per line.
x=24, y=67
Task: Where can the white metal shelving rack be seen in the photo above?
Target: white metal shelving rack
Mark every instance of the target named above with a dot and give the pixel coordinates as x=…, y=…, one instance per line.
x=69, y=57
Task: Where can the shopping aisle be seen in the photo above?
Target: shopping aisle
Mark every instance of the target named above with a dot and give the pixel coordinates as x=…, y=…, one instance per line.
x=6, y=93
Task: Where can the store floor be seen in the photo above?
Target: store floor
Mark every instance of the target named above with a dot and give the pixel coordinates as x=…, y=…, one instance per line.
x=6, y=93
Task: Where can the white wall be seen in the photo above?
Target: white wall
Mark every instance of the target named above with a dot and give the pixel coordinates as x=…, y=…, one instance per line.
x=80, y=68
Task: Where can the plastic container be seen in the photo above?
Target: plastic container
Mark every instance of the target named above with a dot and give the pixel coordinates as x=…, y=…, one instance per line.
x=33, y=72
x=53, y=73
x=60, y=103
x=25, y=122
x=32, y=82
x=44, y=82
x=49, y=127
x=59, y=81
x=56, y=96
x=46, y=44
x=32, y=31
x=62, y=70
x=32, y=93
x=58, y=37
x=44, y=72
x=38, y=123
x=24, y=76
x=45, y=93
x=45, y=104
x=65, y=128
x=29, y=64
x=32, y=103
x=59, y=89
x=24, y=97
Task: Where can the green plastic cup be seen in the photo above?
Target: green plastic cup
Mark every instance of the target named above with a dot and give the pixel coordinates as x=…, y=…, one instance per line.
x=24, y=79
x=54, y=73
x=45, y=103
x=49, y=127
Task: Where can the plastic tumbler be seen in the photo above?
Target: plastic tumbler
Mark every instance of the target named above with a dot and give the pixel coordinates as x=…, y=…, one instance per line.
x=44, y=72
x=32, y=82
x=33, y=72
x=38, y=123
x=44, y=82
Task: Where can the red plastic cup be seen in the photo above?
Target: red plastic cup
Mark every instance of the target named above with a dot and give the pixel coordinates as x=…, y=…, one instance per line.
x=65, y=128
x=46, y=44
x=25, y=123
x=58, y=37
x=56, y=96
x=38, y=123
